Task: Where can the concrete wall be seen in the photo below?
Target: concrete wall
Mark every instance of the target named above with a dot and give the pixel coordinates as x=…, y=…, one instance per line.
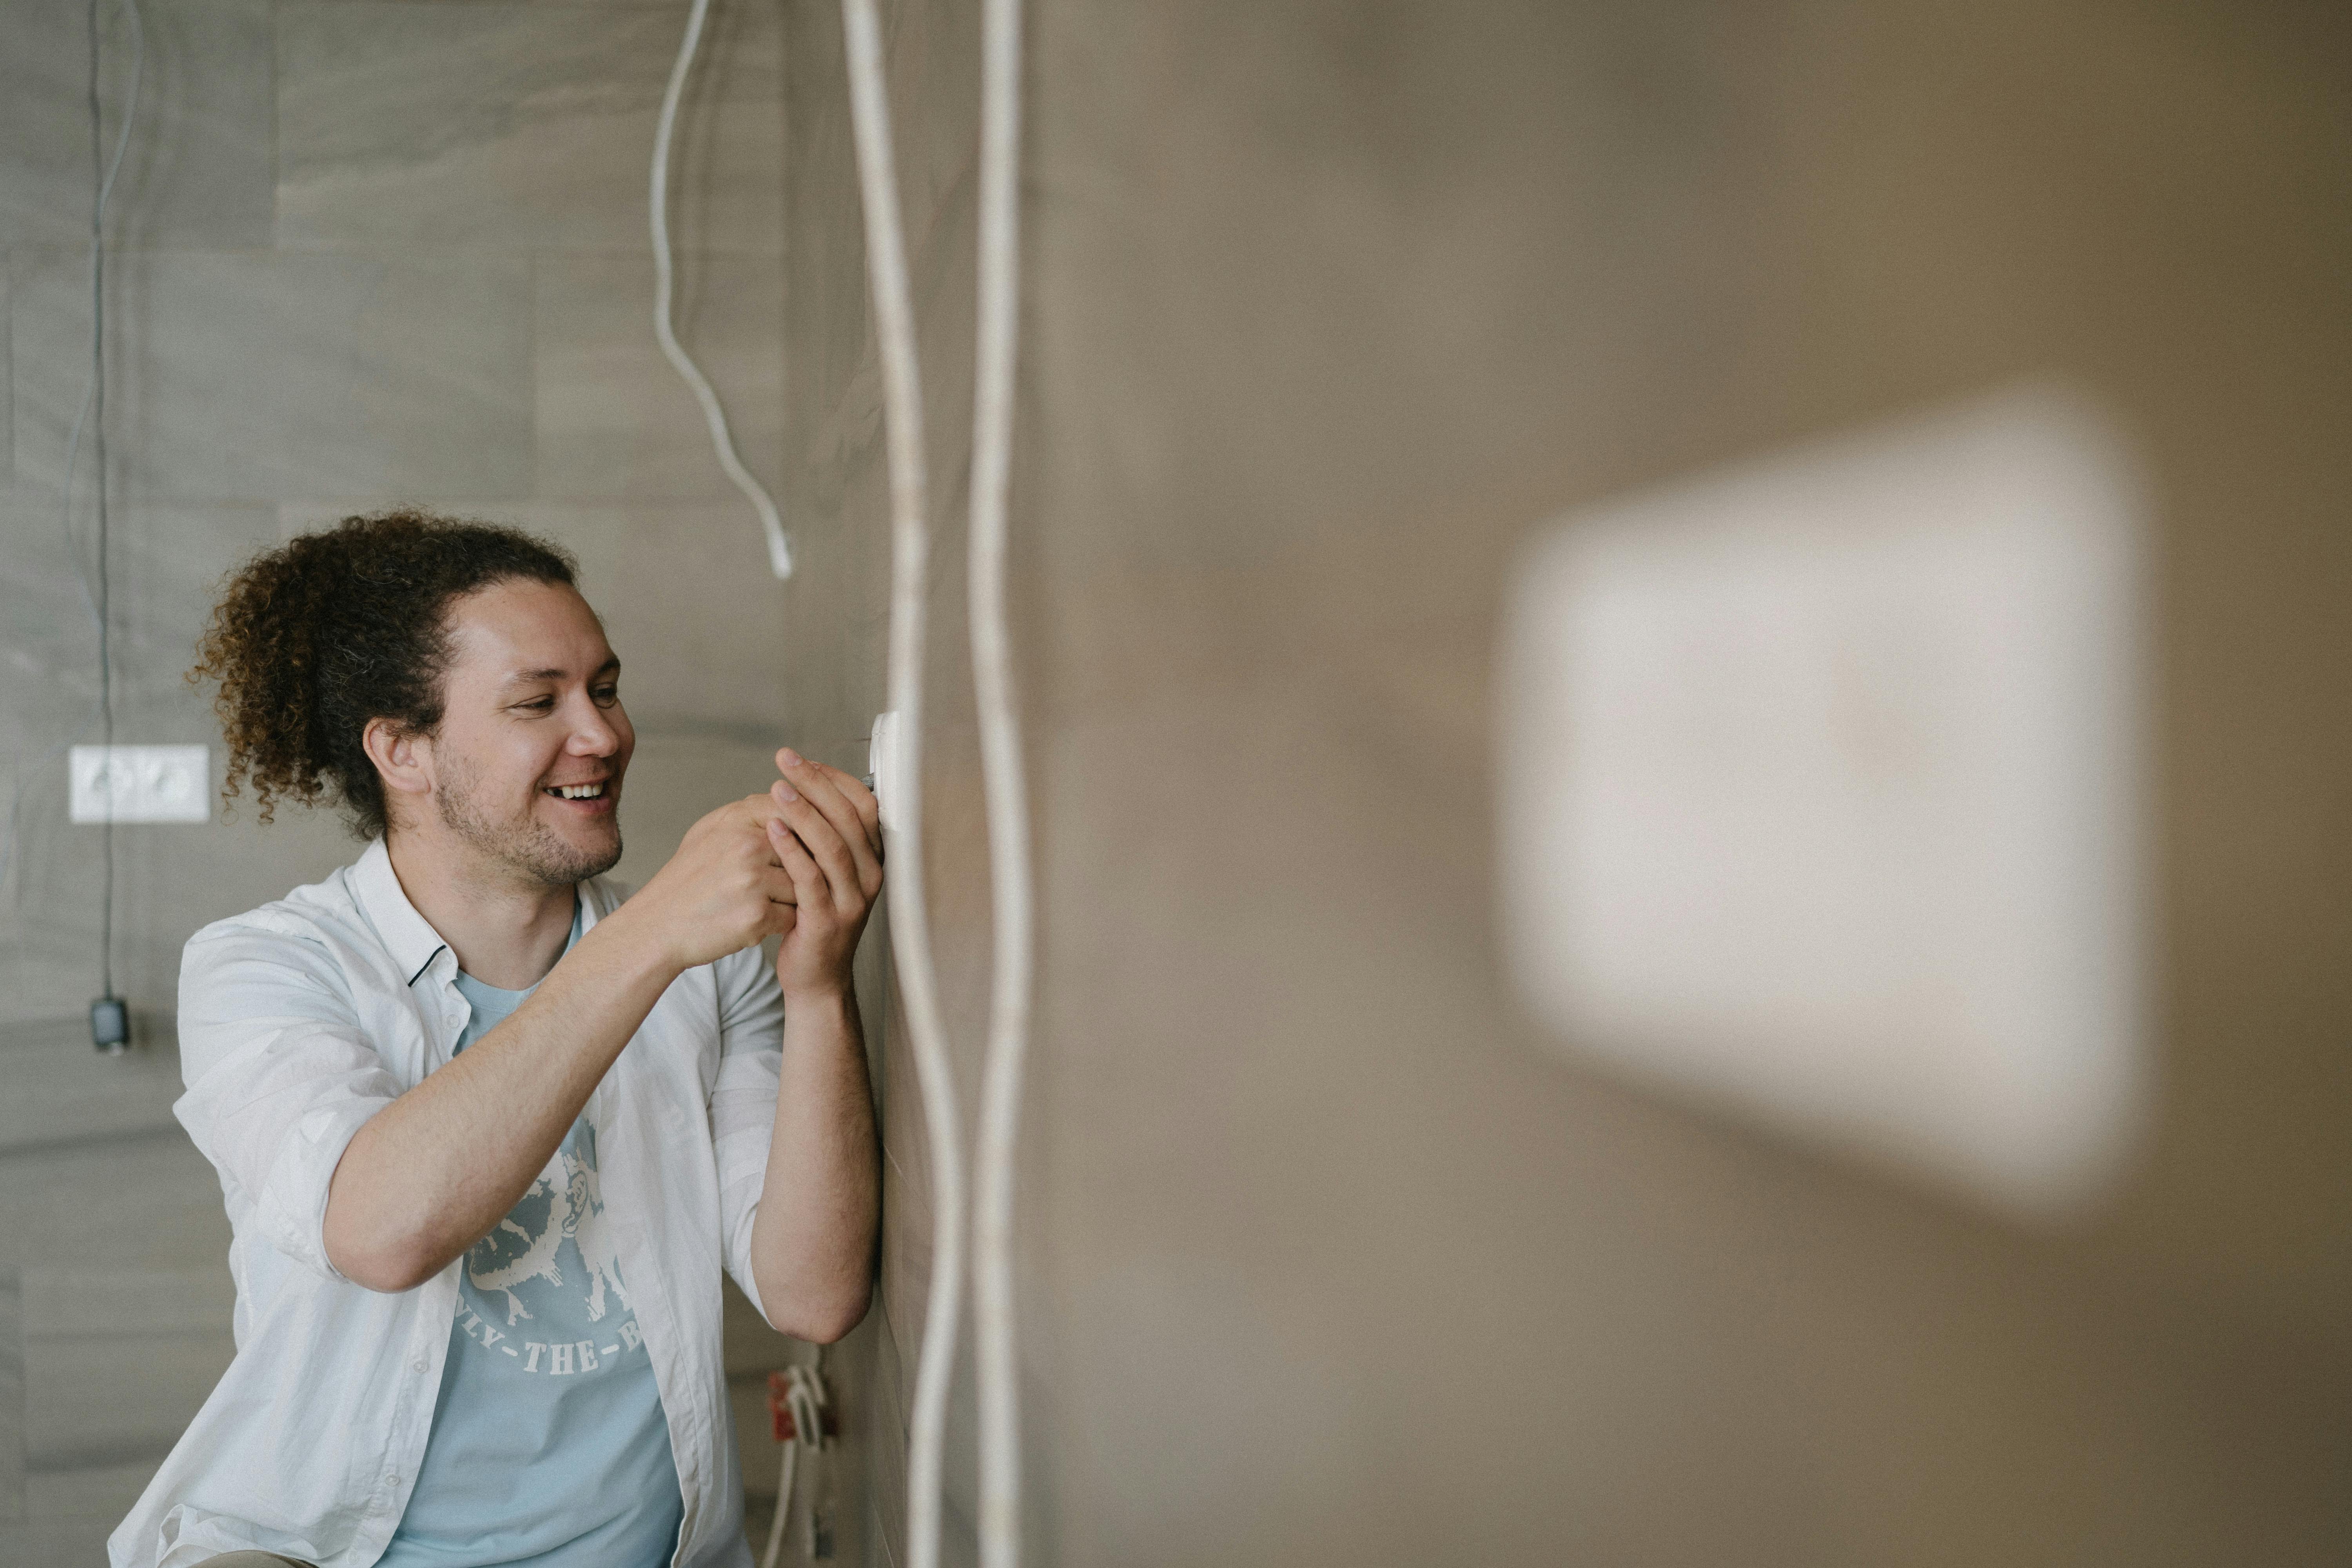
x=369, y=253
x=364, y=254
x=1327, y=1257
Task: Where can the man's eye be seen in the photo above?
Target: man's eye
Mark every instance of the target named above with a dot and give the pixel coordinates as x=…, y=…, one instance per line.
x=540, y=704
x=607, y=695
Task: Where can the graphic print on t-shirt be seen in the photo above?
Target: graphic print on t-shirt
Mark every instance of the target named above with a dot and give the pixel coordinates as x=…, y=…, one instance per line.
x=545, y=1286
x=550, y=1447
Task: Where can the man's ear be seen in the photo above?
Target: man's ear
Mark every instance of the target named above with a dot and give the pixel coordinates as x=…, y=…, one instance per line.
x=402, y=758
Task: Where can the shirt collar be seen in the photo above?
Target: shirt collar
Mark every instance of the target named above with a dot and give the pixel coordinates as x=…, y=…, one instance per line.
x=411, y=939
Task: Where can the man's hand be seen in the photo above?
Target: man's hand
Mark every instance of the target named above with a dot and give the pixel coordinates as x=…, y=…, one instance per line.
x=826, y=834
x=724, y=889
x=813, y=1237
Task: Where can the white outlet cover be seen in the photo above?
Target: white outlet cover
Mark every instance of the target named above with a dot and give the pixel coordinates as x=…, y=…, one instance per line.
x=1821, y=795
x=140, y=784
x=882, y=760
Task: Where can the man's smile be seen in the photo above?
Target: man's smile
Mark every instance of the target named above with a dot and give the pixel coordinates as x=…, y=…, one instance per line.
x=595, y=795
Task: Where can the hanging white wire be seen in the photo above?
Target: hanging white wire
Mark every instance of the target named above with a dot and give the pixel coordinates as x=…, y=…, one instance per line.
x=1004, y=787
x=722, y=440
x=902, y=407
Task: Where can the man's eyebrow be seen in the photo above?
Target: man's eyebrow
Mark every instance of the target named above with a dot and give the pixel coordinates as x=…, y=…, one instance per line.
x=525, y=677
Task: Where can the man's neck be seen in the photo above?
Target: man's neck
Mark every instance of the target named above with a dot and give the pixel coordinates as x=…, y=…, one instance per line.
x=506, y=931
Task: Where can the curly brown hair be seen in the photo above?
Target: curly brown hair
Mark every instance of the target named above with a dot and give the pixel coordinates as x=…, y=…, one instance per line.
x=311, y=640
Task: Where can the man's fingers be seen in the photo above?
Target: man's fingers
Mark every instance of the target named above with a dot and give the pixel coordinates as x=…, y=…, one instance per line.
x=828, y=789
x=861, y=800
x=850, y=788
x=777, y=883
x=821, y=839
x=808, y=878
x=756, y=811
x=817, y=784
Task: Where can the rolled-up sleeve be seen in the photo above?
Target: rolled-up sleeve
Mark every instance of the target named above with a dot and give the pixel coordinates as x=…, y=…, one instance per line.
x=279, y=1077
x=743, y=1099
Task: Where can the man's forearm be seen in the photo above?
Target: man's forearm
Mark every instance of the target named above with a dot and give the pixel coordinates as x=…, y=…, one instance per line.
x=432, y=1173
x=813, y=1241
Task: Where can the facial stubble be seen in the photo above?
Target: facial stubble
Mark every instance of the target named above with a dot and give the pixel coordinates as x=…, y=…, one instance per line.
x=527, y=846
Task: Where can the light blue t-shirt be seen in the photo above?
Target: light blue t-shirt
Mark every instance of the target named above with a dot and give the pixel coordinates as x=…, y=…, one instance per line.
x=549, y=1446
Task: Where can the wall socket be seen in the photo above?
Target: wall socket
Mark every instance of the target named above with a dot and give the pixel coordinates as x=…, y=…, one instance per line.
x=1821, y=787
x=141, y=784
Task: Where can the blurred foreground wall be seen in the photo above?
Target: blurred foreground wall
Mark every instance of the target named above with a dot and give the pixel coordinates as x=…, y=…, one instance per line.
x=1327, y=1257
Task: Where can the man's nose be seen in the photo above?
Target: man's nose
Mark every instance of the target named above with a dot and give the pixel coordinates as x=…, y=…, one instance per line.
x=594, y=734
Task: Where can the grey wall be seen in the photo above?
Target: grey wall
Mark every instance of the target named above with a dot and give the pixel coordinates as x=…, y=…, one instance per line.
x=1327, y=1257
x=370, y=254
x=363, y=254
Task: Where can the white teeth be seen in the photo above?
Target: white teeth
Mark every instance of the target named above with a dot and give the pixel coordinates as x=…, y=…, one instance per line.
x=579, y=791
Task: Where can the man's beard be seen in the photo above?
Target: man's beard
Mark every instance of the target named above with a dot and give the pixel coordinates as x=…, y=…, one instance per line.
x=527, y=847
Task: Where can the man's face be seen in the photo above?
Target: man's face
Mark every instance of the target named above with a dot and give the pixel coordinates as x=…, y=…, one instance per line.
x=532, y=743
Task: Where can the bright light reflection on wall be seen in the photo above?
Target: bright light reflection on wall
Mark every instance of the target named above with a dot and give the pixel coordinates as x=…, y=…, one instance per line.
x=1821, y=794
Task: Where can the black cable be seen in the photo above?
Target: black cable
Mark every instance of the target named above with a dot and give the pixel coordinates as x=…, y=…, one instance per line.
x=99, y=192
x=109, y=1018
x=109, y=1025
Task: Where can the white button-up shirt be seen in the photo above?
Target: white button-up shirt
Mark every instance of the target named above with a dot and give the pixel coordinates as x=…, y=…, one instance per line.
x=298, y=1022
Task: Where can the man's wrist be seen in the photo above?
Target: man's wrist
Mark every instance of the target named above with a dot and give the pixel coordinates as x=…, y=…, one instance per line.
x=811, y=1003
x=635, y=949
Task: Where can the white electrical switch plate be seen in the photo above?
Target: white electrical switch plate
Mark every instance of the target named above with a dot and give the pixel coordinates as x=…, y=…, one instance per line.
x=141, y=784
x=1821, y=795
x=882, y=762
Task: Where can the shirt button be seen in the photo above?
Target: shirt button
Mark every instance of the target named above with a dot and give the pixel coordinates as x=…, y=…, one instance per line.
x=419, y=1366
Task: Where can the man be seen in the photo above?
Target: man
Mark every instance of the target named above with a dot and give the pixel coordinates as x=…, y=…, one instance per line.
x=486, y=1132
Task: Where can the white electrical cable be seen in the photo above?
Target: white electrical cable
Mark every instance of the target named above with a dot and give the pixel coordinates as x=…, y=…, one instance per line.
x=804, y=1399
x=779, y=550
x=902, y=405
x=1005, y=790
x=783, y=1505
